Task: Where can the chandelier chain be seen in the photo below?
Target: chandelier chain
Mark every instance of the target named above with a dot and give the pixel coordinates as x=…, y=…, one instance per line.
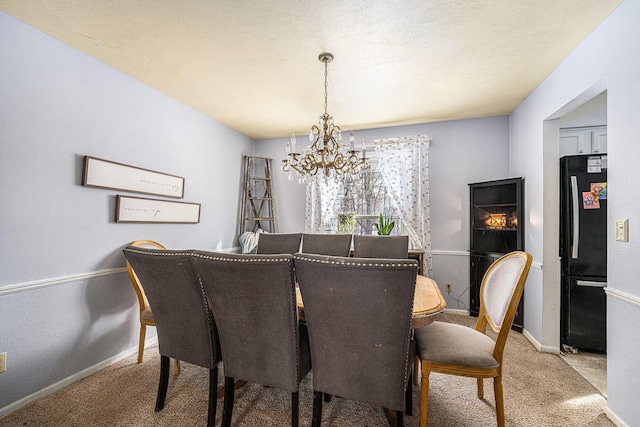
x=326, y=74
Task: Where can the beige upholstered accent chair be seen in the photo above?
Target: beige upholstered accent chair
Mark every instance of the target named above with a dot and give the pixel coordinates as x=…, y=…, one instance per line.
x=279, y=243
x=396, y=247
x=326, y=244
x=453, y=349
x=358, y=315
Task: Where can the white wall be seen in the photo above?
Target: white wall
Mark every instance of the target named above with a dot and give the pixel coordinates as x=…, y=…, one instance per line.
x=461, y=152
x=607, y=59
x=591, y=113
x=57, y=105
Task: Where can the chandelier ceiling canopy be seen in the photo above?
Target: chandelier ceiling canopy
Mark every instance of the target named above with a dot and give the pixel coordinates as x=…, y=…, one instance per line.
x=326, y=156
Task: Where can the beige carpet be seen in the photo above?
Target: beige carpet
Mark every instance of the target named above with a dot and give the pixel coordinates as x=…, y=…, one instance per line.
x=540, y=390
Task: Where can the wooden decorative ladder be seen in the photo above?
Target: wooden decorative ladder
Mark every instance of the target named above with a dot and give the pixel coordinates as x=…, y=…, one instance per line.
x=258, y=210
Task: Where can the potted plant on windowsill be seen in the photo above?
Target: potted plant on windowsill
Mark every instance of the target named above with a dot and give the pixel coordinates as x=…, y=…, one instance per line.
x=346, y=223
x=384, y=225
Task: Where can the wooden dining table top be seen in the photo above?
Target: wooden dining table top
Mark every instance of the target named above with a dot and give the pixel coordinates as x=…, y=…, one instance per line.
x=427, y=302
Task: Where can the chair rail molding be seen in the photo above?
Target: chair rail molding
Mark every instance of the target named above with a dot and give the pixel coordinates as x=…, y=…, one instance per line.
x=534, y=264
x=450, y=253
x=53, y=281
x=44, y=283
x=622, y=296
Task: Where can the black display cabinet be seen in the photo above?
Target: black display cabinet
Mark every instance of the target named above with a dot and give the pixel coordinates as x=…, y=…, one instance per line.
x=497, y=228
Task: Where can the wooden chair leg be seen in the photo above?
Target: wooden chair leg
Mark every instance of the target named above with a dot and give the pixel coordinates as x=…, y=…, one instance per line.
x=177, y=366
x=227, y=412
x=295, y=403
x=480, y=388
x=164, y=382
x=143, y=334
x=416, y=370
x=213, y=398
x=424, y=393
x=317, y=409
x=497, y=389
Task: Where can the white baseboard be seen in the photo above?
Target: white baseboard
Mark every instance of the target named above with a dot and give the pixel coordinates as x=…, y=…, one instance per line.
x=71, y=379
x=614, y=418
x=456, y=311
x=527, y=334
x=538, y=345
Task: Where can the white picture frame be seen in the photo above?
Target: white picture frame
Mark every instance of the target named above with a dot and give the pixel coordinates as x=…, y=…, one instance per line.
x=102, y=173
x=139, y=209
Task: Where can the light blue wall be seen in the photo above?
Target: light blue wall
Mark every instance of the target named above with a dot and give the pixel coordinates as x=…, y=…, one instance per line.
x=606, y=59
x=57, y=105
x=462, y=152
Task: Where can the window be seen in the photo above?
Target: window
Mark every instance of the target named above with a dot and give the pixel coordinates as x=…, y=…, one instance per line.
x=366, y=197
x=403, y=166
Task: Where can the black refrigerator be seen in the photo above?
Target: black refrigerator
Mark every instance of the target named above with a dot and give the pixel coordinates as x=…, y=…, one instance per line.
x=583, y=252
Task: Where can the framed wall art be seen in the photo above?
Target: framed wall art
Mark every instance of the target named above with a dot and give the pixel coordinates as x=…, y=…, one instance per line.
x=102, y=173
x=138, y=209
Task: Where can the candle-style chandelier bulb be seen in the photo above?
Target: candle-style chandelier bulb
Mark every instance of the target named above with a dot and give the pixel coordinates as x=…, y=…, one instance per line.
x=293, y=142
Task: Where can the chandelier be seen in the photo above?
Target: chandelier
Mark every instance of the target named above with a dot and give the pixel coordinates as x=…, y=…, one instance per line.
x=326, y=156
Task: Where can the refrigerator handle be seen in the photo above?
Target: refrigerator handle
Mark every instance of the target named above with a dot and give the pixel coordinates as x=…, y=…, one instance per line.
x=590, y=283
x=575, y=203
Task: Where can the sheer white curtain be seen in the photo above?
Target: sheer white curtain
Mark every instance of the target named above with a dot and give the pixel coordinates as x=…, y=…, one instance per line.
x=404, y=163
x=321, y=196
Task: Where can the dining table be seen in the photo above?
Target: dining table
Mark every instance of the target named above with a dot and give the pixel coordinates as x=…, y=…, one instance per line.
x=427, y=302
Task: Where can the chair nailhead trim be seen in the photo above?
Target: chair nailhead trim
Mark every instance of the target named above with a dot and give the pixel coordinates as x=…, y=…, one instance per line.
x=242, y=258
x=160, y=252
x=358, y=264
x=213, y=258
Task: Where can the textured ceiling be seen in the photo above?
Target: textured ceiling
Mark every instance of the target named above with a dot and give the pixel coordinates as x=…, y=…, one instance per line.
x=253, y=64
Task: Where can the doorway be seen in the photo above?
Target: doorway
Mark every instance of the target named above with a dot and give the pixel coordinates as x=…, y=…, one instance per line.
x=588, y=109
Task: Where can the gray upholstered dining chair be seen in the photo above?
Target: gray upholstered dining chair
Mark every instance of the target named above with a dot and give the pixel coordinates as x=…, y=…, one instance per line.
x=326, y=244
x=365, y=246
x=253, y=299
x=279, y=243
x=358, y=315
x=186, y=330
x=448, y=348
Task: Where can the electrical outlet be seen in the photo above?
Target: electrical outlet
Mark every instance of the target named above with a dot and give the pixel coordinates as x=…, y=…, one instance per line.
x=3, y=362
x=448, y=286
x=622, y=230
